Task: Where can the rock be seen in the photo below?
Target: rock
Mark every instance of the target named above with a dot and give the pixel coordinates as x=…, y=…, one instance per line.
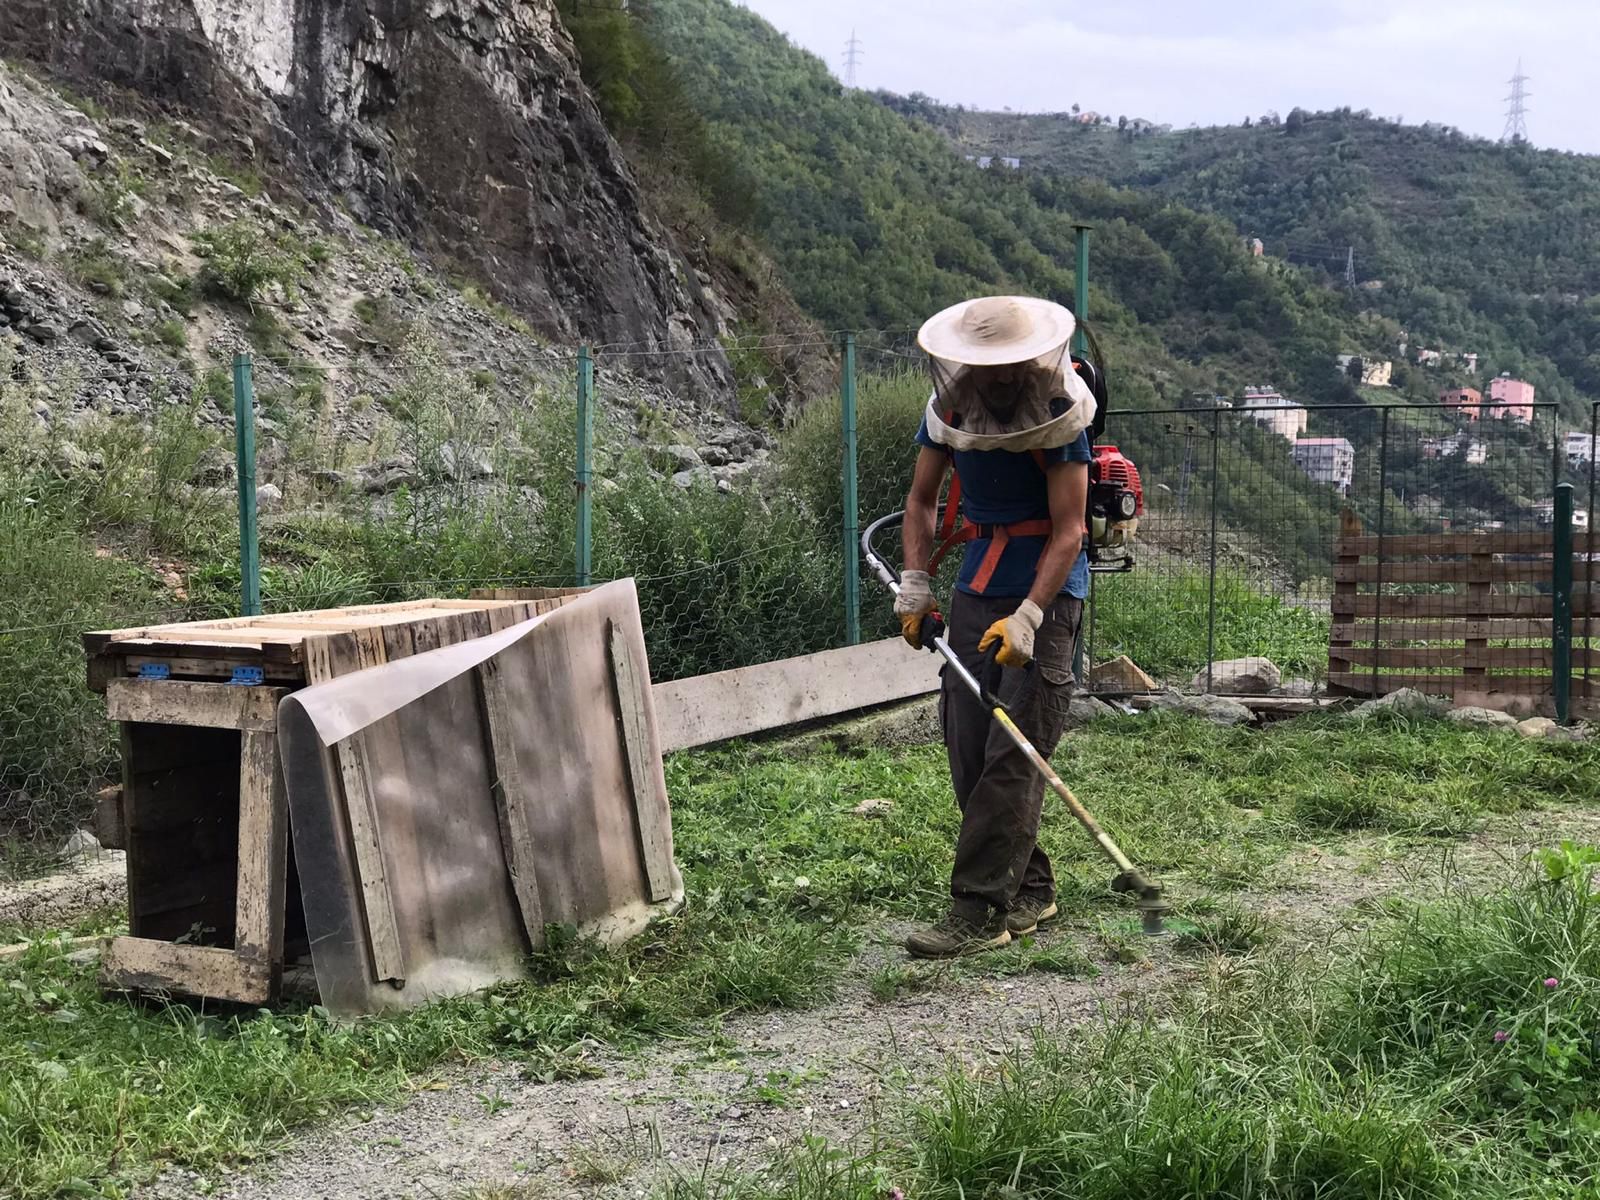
x=1212, y=708
x=1120, y=674
x=332, y=480
x=42, y=411
x=269, y=496
x=471, y=463
x=724, y=486
x=70, y=459
x=91, y=333
x=127, y=127
x=83, y=145
x=688, y=479
x=132, y=310
x=1481, y=718
x=82, y=844
x=1300, y=689
x=43, y=332
x=389, y=476
x=1406, y=702
x=216, y=469
x=84, y=957
x=1083, y=709
x=875, y=807
x=1537, y=727
x=685, y=458
x=1253, y=676
x=716, y=456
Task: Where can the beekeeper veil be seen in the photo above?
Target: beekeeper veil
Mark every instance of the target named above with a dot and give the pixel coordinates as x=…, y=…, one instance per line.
x=1002, y=377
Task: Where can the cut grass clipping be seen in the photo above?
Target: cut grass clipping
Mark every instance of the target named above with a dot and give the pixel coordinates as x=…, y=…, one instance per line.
x=97, y=1092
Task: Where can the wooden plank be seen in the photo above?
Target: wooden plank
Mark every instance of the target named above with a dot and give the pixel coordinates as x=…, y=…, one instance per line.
x=426, y=635
x=214, y=637
x=1404, y=544
x=1456, y=604
x=173, y=652
x=327, y=658
x=369, y=647
x=1454, y=630
x=513, y=804
x=397, y=643
x=1346, y=590
x=1471, y=655
x=730, y=704
x=1479, y=568
x=263, y=858
x=1480, y=592
x=209, y=705
x=1443, y=685
x=655, y=841
x=145, y=965
x=202, y=669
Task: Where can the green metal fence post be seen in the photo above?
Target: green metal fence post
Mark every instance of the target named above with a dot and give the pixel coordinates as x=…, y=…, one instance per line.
x=1080, y=310
x=1080, y=289
x=847, y=428
x=1211, y=573
x=1561, y=605
x=244, y=458
x=585, y=548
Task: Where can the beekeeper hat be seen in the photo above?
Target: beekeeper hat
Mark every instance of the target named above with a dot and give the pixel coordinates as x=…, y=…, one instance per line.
x=996, y=329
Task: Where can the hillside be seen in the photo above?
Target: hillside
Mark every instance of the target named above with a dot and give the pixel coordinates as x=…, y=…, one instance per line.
x=1468, y=245
x=877, y=220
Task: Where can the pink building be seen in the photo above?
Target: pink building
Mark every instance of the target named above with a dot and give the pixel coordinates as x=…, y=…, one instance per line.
x=1468, y=400
x=1511, y=398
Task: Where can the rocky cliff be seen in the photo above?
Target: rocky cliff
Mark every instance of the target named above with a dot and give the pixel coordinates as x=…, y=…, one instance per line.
x=460, y=125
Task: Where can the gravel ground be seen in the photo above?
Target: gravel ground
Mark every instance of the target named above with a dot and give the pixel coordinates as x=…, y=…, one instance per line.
x=728, y=1099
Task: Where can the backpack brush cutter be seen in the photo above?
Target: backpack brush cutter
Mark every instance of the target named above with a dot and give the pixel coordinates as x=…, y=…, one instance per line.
x=1147, y=896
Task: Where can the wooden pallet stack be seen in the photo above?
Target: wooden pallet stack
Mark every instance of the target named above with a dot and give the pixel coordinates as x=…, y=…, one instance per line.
x=212, y=895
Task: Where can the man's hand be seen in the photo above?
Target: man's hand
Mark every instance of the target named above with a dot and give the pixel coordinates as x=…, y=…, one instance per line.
x=1015, y=635
x=914, y=602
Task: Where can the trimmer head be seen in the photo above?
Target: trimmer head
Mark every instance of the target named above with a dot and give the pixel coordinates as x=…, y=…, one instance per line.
x=1152, y=908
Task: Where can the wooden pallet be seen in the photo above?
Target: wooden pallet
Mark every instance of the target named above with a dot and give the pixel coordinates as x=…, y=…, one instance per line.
x=1473, y=619
x=212, y=897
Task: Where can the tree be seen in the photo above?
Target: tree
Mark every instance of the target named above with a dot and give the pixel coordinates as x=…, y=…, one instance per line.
x=1296, y=121
x=1247, y=122
x=1074, y=110
x=1122, y=122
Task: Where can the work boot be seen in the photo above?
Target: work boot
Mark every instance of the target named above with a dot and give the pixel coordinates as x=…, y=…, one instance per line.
x=958, y=935
x=1028, y=913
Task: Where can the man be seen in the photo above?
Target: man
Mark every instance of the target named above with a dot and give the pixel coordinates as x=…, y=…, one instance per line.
x=1012, y=423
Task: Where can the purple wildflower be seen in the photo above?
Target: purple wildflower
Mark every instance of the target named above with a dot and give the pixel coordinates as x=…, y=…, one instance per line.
x=1552, y=982
x=896, y=1194
x=1500, y=1035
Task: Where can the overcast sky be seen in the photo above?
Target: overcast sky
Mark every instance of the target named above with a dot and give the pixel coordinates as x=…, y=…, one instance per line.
x=1215, y=61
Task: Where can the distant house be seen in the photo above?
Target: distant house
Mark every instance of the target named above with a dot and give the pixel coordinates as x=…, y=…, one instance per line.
x=1579, y=447
x=1014, y=163
x=1266, y=406
x=1511, y=399
x=1469, y=362
x=1373, y=372
x=1257, y=249
x=1475, y=452
x=1429, y=358
x=1327, y=460
x=1469, y=401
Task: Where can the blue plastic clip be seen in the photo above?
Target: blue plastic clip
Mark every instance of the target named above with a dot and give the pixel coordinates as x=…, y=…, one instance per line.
x=154, y=671
x=247, y=676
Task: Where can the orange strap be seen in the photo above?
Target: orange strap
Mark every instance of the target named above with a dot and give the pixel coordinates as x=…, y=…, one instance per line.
x=998, y=535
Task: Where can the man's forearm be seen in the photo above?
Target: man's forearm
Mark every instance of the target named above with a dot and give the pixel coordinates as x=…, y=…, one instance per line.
x=1055, y=564
x=916, y=535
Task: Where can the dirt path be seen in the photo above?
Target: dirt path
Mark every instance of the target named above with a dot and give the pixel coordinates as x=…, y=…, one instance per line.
x=728, y=1099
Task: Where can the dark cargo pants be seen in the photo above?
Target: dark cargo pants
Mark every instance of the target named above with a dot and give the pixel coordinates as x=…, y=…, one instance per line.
x=1000, y=794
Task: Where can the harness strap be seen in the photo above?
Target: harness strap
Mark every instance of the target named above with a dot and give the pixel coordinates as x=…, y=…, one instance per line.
x=951, y=536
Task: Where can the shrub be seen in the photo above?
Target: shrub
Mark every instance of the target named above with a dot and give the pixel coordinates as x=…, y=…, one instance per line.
x=242, y=260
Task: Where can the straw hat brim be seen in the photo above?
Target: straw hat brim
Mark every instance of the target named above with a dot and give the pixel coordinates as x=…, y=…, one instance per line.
x=941, y=335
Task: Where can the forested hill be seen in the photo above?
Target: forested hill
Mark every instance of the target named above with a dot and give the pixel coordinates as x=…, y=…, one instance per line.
x=1467, y=244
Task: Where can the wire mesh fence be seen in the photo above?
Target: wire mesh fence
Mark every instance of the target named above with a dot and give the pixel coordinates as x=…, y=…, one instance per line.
x=396, y=472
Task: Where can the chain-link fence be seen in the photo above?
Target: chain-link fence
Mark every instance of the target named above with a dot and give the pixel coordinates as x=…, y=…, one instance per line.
x=402, y=469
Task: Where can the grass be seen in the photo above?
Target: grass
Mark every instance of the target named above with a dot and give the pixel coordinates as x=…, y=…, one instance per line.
x=1446, y=1052
x=99, y=1091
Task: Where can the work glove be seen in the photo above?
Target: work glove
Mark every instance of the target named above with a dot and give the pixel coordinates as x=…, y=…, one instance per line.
x=1015, y=635
x=914, y=602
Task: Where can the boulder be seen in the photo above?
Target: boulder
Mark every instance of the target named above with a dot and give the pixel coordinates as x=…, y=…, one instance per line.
x=269, y=497
x=1219, y=709
x=1474, y=717
x=691, y=477
x=1300, y=689
x=43, y=332
x=1084, y=709
x=684, y=458
x=1253, y=676
x=1121, y=674
x=389, y=476
x=82, y=844
x=470, y=462
x=1537, y=727
x=1406, y=702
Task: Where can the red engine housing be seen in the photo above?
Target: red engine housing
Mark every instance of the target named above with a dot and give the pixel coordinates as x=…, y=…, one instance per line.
x=1113, y=467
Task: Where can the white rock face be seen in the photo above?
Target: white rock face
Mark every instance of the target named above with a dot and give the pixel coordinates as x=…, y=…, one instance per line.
x=254, y=37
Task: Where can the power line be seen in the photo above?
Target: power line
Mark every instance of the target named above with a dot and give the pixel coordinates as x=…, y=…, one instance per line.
x=852, y=59
x=1517, y=108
